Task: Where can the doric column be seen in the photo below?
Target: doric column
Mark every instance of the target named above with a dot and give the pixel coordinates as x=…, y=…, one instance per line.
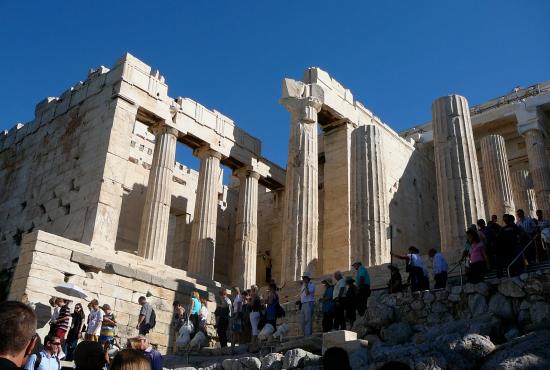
x=369, y=210
x=202, y=249
x=524, y=194
x=459, y=196
x=301, y=218
x=246, y=230
x=497, y=176
x=153, y=234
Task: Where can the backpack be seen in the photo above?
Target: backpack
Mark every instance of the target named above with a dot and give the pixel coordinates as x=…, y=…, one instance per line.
x=39, y=360
x=152, y=319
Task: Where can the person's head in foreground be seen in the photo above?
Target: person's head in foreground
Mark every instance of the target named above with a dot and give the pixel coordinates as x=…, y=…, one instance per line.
x=141, y=343
x=336, y=358
x=130, y=359
x=17, y=333
x=394, y=365
x=89, y=356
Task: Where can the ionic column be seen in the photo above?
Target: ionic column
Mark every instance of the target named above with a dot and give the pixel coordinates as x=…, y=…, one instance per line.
x=153, y=233
x=459, y=196
x=202, y=249
x=246, y=230
x=369, y=210
x=497, y=176
x=301, y=210
x=524, y=194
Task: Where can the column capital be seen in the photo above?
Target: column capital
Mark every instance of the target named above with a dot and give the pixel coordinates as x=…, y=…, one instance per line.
x=206, y=151
x=246, y=171
x=305, y=109
x=163, y=128
x=528, y=118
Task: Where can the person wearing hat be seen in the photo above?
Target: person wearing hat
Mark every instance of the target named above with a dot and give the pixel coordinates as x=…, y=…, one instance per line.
x=362, y=280
x=338, y=297
x=350, y=301
x=418, y=274
x=327, y=305
x=107, y=325
x=307, y=299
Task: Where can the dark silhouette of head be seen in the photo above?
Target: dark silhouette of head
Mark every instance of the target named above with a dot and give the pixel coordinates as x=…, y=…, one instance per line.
x=336, y=358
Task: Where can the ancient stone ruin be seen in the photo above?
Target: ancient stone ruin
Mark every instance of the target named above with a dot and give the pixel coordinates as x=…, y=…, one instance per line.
x=91, y=193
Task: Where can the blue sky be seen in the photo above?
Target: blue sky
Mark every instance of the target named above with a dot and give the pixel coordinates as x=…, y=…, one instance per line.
x=395, y=56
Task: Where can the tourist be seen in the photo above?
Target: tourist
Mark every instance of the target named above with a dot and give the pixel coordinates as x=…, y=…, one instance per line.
x=77, y=325
x=95, y=318
x=479, y=261
x=327, y=306
x=529, y=232
x=494, y=220
x=18, y=333
x=395, y=284
x=542, y=223
x=56, y=303
x=223, y=314
x=418, y=274
x=336, y=358
x=89, y=355
x=63, y=323
x=195, y=310
x=338, y=295
x=203, y=316
x=362, y=280
x=107, y=325
x=154, y=356
x=178, y=319
x=271, y=313
x=439, y=268
x=145, y=314
x=47, y=358
x=509, y=246
x=307, y=299
x=350, y=301
x=255, y=312
x=130, y=359
x=236, y=318
x=246, y=334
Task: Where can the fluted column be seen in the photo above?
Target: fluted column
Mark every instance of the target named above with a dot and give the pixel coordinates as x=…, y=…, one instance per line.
x=459, y=196
x=524, y=194
x=246, y=230
x=539, y=168
x=153, y=234
x=202, y=249
x=497, y=176
x=369, y=210
x=301, y=210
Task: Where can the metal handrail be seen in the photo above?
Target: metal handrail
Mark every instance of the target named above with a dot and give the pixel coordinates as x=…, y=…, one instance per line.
x=519, y=254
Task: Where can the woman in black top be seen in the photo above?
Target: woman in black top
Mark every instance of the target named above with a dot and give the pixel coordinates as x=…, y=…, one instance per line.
x=77, y=325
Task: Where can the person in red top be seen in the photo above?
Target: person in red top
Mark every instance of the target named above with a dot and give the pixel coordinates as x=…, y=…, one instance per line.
x=479, y=261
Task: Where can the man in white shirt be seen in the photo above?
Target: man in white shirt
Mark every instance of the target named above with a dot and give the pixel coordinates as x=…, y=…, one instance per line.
x=338, y=296
x=307, y=298
x=439, y=269
x=94, y=321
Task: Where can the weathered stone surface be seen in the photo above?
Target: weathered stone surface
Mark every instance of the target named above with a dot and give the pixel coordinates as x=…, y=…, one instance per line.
x=294, y=357
x=477, y=304
x=272, y=361
x=501, y=307
x=464, y=352
x=87, y=260
x=511, y=288
x=337, y=338
x=539, y=312
x=311, y=344
x=524, y=193
x=532, y=351
x=396, y=333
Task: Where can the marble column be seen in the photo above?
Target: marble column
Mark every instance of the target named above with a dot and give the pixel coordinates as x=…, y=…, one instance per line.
x=153, y=234
x=369, y=208
x=202, y=249
x=301, y=217
x=539, y=168
x=246, y=230
x=524, y=194
x=496, y=171
x=459, y=196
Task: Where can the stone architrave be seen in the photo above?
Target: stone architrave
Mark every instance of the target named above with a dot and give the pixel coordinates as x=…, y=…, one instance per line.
x=369, y=209
x=153, y=234
x=246, y=230
x=497, y=176
x=301, y=209
x=459, y=195
x=524, y=194
x=202, y=249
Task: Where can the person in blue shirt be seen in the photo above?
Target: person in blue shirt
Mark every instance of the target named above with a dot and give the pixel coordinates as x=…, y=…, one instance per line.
x=154, y=356
x=47, y=358
x=327, y=305
x=362, y=280
x=195, y=310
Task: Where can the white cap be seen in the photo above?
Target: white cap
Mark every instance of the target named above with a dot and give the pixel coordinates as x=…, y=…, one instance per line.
x=307, y=274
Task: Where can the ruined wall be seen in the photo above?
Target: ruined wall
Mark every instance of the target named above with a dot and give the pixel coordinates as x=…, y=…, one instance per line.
x=270, y=233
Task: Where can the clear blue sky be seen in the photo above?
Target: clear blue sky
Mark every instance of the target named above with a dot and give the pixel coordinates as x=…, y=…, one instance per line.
x=395, y=56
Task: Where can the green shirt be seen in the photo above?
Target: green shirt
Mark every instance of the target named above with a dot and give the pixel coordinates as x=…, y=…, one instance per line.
x=362, y=273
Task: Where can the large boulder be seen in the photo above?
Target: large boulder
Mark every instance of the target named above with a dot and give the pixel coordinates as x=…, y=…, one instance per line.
x=251, y=363
x=297, y=358
x=396, y=333
x=379, y=314
x=312, y=344
x=477, y=304
x=501, y=307
x=464, y=352
x=483, y=325
x=531, y=351
x=272, y=361
x=512, y=288
x=539, y=311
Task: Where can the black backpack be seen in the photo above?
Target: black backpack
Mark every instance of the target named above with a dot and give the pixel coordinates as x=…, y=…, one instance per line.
x=39, y=360
x=152, y=319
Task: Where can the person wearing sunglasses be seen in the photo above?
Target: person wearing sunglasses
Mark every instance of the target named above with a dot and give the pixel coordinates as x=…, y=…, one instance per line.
x=47, y=358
